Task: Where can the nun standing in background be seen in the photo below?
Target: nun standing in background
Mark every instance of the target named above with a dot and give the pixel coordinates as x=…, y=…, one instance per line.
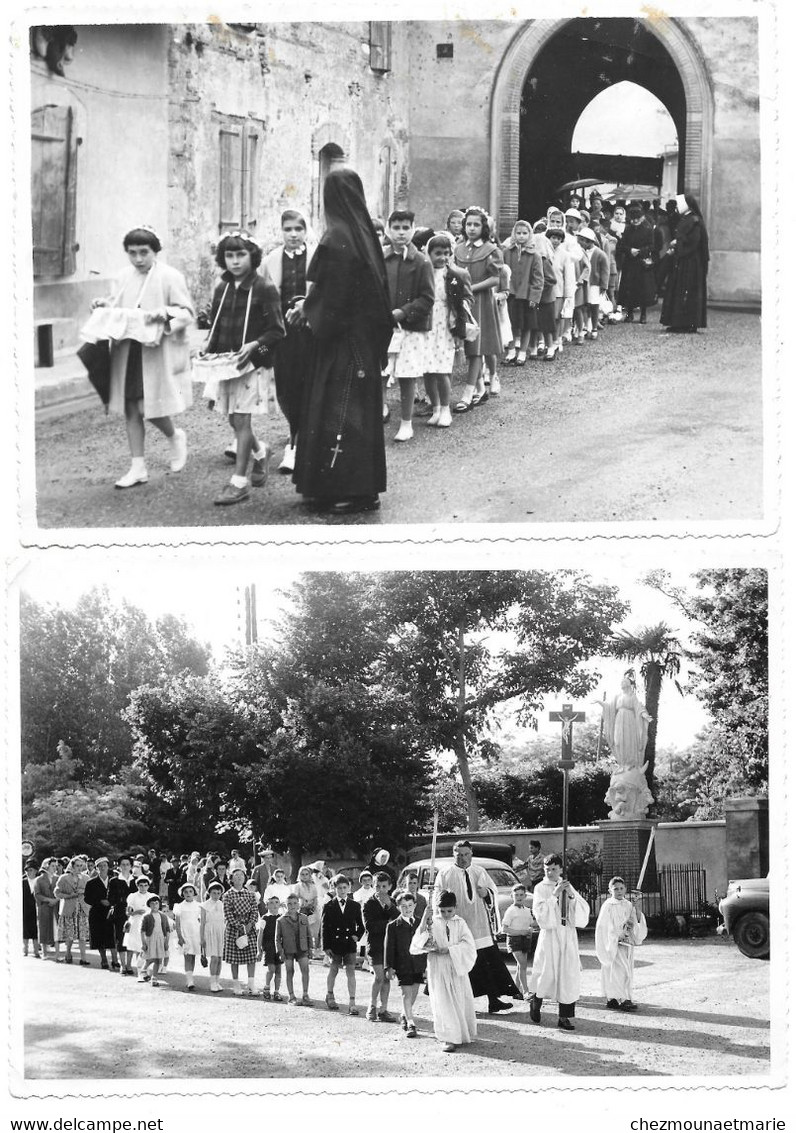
x=685, y=299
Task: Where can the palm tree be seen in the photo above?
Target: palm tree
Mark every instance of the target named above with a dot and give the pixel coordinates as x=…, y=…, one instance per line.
x=659, y=653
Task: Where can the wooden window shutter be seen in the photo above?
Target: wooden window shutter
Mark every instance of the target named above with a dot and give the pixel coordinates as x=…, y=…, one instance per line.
x=380, y=45
x=53, y=190
x=230, y=178
x=251, y=179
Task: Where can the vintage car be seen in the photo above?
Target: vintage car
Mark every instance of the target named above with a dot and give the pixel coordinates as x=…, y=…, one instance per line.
x=501, y=873
x=745, y=913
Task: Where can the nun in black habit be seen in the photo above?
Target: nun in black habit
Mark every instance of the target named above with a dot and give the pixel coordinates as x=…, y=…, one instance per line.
x=340, y=460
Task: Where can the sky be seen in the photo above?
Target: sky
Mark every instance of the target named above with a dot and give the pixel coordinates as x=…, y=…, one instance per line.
x=213, y=607
x=627, y=119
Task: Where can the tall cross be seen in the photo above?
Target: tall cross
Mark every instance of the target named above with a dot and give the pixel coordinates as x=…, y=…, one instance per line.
x=567, y=718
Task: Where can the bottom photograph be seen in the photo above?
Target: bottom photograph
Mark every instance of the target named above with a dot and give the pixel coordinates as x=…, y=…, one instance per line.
x=393, y=824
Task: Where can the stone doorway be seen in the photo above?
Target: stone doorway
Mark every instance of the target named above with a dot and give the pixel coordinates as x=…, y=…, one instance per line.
x=554, y=68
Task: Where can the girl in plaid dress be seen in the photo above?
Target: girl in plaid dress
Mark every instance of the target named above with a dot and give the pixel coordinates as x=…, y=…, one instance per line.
x=240, y=931
x=245, y=318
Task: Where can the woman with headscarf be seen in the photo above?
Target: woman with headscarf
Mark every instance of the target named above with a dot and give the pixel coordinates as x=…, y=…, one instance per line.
x=340, y=459
x=685, y=299
x=634, y=257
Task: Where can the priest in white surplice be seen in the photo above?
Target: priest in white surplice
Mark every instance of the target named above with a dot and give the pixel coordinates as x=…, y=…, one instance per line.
x=476, y=903
x=449, y=945
x=560, y=912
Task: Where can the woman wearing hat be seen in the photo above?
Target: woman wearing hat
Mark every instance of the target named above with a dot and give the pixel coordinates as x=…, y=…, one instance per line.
x=685, y=300
x=136, y=909
x=211, y=930
x=100, y=915
x=240, y=936
x=188, y=916
x=120, y=886
x=69, y=891
x=634, y=257
x=46, y=905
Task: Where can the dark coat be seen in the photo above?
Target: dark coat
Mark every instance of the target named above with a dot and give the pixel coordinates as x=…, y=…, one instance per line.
x=637, y=283
x=30, y=930
x=459, y=297
x=685, y=299
x=376, y=918
x=411, y=283
x=265, y=323
x=341, y=929
x=397, y=956
x=101, y=925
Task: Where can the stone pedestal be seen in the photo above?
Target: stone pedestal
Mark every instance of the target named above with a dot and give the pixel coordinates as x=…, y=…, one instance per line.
x=747, y=837
x=624, y=846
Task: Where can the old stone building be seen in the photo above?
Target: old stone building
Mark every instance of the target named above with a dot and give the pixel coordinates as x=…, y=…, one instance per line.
x=198, y=129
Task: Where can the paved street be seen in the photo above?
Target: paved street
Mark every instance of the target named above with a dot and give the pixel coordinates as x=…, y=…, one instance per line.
x=638, y=425
x=703, y=1011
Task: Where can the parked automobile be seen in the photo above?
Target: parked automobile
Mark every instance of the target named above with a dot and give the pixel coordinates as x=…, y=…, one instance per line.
x=501, y=851
x=745, y=913
x=502, y=874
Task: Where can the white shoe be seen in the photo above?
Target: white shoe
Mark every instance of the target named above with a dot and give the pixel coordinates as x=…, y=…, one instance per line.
x=179, y=450
x=434, y=418
x=495, y=384
x=288, y=459
x=405, y=432
x=445, y=419
x=130, y=479
x=511, y=354
x=551, y=353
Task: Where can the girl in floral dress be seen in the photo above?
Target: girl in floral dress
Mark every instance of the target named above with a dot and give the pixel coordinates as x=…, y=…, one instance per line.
x=240, y=935
x=155, y=931
x=451, y=292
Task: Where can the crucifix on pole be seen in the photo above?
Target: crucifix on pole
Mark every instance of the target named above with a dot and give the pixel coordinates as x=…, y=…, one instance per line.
x=567, y=718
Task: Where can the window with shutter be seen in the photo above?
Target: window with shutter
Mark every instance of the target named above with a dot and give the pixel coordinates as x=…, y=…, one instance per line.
x=231, y=179
x=380, y=45
x=53, y=190
x=251, y=172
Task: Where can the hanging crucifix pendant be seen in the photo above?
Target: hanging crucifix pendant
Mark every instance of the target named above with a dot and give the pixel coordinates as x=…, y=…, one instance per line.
x=336, y=450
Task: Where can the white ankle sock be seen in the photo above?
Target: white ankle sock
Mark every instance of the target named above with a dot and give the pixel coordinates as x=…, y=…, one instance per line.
x=238, y=481
x=259, y=454
x=138, y=465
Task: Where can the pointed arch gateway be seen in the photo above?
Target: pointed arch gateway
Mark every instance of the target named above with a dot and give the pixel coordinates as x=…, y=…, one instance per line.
x=507, y=96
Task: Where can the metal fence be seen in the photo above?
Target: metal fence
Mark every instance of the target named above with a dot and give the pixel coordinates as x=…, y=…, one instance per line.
x=683, y=890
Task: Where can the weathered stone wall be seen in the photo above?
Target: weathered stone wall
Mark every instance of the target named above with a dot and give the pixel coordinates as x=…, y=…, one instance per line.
x=309, y=85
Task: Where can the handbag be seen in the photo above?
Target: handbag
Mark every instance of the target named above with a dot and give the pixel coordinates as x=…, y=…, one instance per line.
x=96, y=357
x=212, y=369
x=242, y=941
x=471, y=328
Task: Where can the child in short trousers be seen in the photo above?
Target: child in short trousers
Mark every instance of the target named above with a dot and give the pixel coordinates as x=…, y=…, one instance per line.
x=266, y=947
x=521, y=934
x=409, y=970
x=293, y=943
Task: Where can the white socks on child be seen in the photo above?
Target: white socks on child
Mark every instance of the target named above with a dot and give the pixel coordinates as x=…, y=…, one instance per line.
x=405, y=432
x=179, y=450
x=238, y=481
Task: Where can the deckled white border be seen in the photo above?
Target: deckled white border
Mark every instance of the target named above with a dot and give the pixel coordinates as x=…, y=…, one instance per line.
x=491, y=1102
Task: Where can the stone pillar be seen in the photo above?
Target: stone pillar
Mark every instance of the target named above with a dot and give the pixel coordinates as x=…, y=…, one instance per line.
x=747, y=837
x=624, y=846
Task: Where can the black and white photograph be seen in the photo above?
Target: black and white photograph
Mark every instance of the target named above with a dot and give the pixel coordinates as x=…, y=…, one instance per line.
x=493, y=271
x=519, y=817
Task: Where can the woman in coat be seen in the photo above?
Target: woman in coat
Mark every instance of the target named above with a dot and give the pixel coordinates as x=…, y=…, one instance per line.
x=46, y=904
x=150, y=370
x=634, y=257
x=30, y=928
x=340, y=460
x=685, y=299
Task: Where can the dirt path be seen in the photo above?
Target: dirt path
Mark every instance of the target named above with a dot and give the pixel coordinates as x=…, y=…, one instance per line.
x=638, y=425
x=704, y=1011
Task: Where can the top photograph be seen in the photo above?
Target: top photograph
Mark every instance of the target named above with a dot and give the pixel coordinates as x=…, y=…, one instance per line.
x=411, y=272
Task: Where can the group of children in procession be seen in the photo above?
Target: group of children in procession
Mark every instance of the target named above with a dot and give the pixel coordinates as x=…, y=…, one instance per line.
x=405, y=938
x=550, y=284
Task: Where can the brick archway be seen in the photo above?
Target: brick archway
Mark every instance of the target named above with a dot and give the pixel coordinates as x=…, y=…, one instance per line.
x=510, y=80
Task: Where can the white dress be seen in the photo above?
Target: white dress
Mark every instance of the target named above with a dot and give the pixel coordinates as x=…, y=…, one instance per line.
x=615, y=938
x=214, y=927
x=190, y=914
x=452, y=1003
x=132, y=938
x=440, y=343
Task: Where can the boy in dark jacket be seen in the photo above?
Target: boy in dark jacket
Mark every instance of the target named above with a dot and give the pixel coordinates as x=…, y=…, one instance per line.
x=341, y=928
x=399, y=961
x=411, y=282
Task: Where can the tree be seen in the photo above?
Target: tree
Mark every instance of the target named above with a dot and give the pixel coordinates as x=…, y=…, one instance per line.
x=462, y=643
x=78, y=668
x=94, y=820
x=659, y=653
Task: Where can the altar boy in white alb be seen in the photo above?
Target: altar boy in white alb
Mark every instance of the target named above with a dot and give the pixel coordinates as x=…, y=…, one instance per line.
x=620, y=928
x=559, y=912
